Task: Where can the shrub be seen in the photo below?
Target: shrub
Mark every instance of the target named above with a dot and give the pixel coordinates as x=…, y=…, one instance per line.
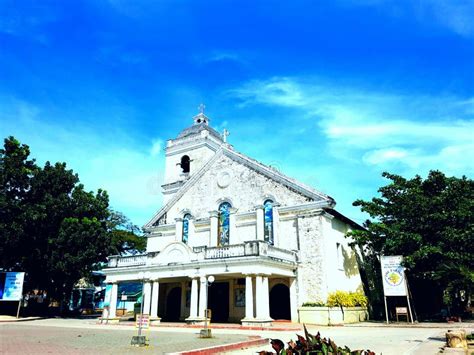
x=312, y=344
x=346, y=299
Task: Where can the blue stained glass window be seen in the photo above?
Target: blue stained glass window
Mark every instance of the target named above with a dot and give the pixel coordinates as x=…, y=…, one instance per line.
x=186, y=228
x=223, y=230
x=268, y=221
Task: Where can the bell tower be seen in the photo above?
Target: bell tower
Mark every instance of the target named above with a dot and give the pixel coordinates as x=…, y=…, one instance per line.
x=188, y=152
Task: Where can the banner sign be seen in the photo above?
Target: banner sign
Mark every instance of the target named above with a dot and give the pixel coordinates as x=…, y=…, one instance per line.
x=393, y=276
x=108, y=295
x=143, y=320
x=11, y=286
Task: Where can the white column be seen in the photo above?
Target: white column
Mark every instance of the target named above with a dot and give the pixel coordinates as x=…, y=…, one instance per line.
x=146, y=297
x=232, y=228
x=260, y=223
x=259, y=296
x=155, y=299
x=179, y=229
x=194, y=299
x=293, y=301
x=202, y=296
x=213, y=217
x=266, y=298
x=248, y=297
x=113, y=301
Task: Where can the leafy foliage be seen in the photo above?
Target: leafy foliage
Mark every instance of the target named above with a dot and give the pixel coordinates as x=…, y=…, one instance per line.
x=312, y=344
x=346, y=299
x=51, y=227
x=428, y=221
x=341, y=299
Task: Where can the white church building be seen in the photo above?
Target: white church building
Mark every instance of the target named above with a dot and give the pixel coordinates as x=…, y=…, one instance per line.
x=268, y=242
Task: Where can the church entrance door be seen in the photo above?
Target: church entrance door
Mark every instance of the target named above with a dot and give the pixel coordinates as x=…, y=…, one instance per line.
x=280, y=302
x=173, y=305
x=219, y=302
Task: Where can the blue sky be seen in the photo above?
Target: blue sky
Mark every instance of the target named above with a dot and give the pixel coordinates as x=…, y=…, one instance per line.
x=331, y=93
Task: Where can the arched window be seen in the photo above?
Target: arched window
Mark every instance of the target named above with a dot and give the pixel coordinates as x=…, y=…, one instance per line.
x=185, y=164
x=268, y=221
x=186, y=218
x=223, y=230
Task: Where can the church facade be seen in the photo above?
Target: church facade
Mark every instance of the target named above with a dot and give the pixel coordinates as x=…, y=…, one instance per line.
x=267, y=242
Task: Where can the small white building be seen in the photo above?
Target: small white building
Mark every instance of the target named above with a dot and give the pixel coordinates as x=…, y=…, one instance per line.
x=271, y=242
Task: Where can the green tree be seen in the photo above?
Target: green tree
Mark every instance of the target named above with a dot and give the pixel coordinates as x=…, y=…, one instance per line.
x=430, y=222
x=126, y=237
x=53, y=229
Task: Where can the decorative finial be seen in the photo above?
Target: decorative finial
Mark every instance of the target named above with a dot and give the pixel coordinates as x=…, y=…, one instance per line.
x=225, y=134
x=201, y=108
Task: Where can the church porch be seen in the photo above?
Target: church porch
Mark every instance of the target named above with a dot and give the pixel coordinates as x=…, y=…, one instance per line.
x=246, y=289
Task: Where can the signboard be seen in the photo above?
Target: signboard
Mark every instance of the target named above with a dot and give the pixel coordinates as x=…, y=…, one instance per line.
x=11, y=286
x=143, y=320
x=393, y=276
x=108, y=295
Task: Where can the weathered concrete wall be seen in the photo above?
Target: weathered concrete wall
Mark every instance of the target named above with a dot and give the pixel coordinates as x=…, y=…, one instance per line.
x=312, y=278
x=246, y=188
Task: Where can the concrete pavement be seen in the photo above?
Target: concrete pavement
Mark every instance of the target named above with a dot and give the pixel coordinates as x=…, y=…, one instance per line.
x=80, y=336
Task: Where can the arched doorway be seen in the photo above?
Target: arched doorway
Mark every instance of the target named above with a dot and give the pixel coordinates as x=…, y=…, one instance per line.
x=173, y=305
x=280, y=302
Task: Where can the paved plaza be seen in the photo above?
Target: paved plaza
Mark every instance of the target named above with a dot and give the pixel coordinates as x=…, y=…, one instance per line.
x=84, y=336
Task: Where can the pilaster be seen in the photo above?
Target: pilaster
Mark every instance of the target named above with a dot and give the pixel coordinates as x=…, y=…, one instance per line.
x=179, y=229
x=232, y=228
x=260, y=223
x=213, y=217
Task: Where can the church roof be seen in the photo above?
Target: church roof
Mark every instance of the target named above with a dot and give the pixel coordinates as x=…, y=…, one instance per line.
x=197, y=128
x=226, y=150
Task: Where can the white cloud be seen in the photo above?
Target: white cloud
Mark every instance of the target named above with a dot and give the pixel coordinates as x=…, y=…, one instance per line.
x=276, y=91
x=156, y=147
x=410, y=133
x=379, y=156
x=456, y=16
x=109, y=160
x=217, y=56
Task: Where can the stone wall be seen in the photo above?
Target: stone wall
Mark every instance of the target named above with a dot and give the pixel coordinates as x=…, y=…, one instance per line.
x=312, y=281
x=245, y=189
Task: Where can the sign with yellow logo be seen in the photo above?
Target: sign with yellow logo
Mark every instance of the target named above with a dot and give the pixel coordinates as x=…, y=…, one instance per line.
x=393, y=276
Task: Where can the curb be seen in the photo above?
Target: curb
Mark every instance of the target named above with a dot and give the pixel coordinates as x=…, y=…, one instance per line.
x=14, y=320
x=223, y=348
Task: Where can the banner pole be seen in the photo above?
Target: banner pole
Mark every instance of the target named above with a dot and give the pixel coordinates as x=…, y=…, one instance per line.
x=18, y=310
x=386, y=309
x=411, y=297
x=408, y=300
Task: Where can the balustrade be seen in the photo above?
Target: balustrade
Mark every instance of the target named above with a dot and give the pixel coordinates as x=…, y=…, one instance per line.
x=249, y=248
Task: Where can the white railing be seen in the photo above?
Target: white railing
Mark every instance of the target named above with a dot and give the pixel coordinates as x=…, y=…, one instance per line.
x=225, y=252
x=282, y=254
x=124, y=261
x=249, y=248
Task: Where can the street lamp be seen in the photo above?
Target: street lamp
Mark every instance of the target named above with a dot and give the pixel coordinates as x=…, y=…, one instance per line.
x=206, y=332
x=140, y=340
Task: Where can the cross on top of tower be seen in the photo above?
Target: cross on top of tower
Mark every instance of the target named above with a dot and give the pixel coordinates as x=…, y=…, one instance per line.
x=201, y=108
x=201, y=117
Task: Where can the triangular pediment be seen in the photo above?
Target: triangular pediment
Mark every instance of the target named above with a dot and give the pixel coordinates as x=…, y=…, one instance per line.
x=246, y=176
